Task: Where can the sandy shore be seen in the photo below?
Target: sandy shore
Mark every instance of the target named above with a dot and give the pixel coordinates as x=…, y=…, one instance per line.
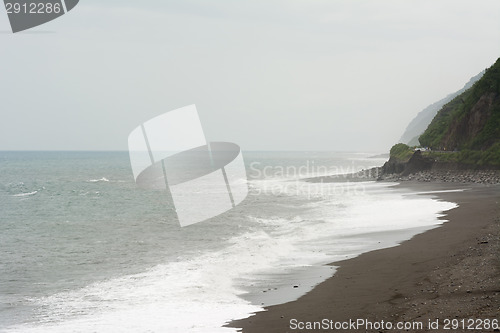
x=451, y=272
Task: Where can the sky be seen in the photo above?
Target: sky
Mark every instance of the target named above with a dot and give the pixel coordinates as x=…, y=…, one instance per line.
x=304, y=75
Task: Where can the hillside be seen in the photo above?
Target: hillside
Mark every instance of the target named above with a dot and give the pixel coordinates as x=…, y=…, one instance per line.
x=419, y=124
x=470, y=123
x=464, y=134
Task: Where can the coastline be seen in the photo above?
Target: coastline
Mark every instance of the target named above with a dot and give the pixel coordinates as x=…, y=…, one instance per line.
x=450, y=272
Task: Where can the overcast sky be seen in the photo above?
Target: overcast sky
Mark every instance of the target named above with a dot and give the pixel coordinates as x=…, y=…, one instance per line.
x=268, y=75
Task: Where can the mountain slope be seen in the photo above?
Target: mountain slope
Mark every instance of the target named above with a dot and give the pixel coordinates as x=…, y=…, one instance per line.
x=419, y=124
x=471, y=120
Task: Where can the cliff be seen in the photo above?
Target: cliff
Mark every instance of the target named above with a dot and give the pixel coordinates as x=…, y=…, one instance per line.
x=471, y=121
x=463, y=135
x=419, y=124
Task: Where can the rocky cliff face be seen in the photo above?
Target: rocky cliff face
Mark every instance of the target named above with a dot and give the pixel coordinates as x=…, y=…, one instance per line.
x=465, y=129
x=419, y=124
x=416, y=163
x=471, y=120
x=464, y=134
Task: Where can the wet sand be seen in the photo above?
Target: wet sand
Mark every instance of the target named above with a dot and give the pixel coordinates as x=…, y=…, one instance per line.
x=450, y=272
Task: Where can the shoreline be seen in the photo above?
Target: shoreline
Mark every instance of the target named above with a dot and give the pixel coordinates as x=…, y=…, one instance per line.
x=447, y=272
x=487, y=177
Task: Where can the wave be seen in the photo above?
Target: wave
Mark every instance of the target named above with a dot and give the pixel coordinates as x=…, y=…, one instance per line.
x=193, y=295
x=25, y=194
x=199, y=293
x=103, y=179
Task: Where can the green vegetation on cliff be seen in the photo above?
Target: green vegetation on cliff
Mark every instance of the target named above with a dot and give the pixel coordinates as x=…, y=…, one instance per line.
x=471, y=120
x=420, y=123
x=401, y=152
x=468, y=157
x=469, y=124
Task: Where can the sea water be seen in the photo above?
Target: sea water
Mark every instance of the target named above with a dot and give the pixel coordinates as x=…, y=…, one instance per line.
x=83, y=249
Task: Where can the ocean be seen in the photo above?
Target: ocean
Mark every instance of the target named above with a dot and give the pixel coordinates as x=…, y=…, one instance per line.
x=84, y=249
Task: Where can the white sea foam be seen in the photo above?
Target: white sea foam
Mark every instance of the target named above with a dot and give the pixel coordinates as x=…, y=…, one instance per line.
x=199, y=294
x=103, y=179
x=25, y=194
x=194, y=295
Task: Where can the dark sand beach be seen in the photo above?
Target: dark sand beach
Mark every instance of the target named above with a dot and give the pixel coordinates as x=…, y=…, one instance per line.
x=450, y=272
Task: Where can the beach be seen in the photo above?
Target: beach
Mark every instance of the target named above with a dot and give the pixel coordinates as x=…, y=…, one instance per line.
x=448, y=276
